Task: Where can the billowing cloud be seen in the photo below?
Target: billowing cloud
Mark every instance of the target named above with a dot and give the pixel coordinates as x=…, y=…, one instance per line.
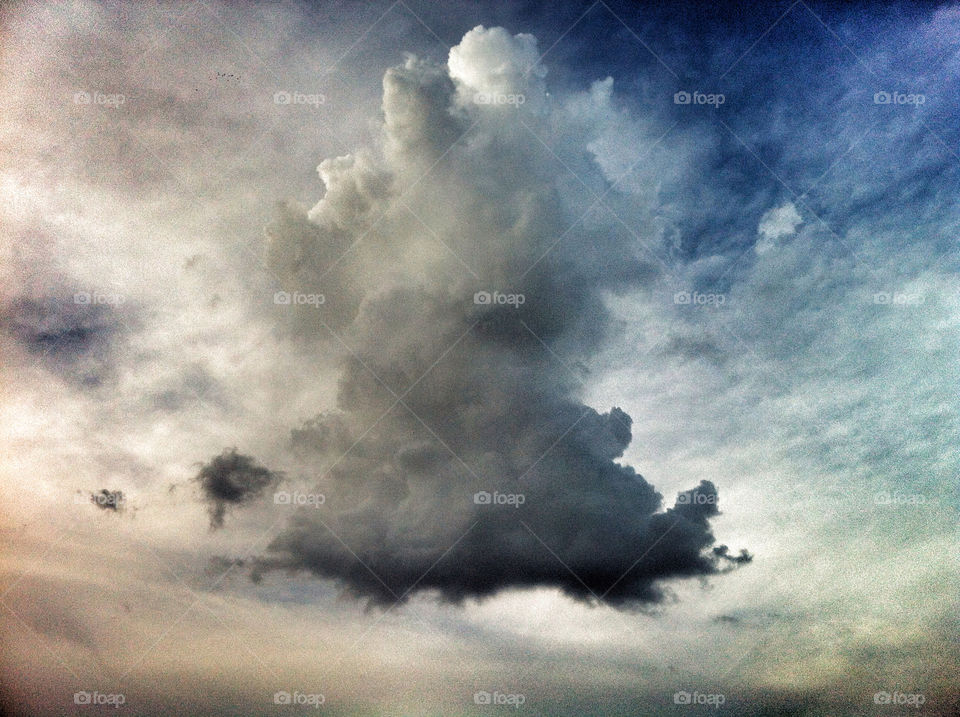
x=459, y=459
x=491, y=63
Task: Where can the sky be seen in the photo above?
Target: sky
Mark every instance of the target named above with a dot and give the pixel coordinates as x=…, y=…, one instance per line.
x=419, y=359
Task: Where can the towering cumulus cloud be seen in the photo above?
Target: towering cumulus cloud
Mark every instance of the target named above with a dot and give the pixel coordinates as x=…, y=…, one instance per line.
x=458, y=459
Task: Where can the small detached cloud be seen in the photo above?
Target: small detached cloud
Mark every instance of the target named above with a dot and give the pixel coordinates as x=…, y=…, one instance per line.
x=777, y=223
x=232, y=479
x=108, y=500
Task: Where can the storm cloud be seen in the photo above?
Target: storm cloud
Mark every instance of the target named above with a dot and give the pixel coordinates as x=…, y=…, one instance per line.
x=459, y=458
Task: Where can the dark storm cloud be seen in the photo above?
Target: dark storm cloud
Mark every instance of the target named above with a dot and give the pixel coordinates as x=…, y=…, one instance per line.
x=605, y=544
x=232, y=479
x=458, y=459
